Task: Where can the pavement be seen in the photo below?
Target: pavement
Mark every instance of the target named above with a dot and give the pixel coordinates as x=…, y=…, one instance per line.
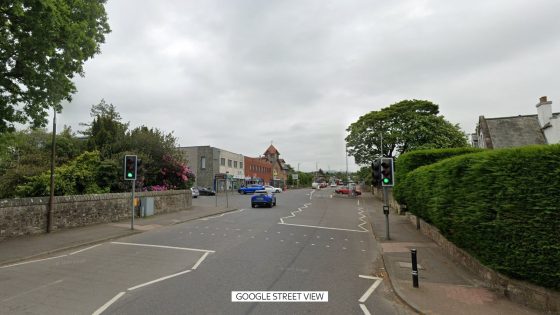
x=445, y=287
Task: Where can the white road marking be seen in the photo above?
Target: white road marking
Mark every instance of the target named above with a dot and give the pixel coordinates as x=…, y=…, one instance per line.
x=221, y=215
x=200, y=260
x=168, y=247
x=324, y=227
x=32, y=290
x=83, y=250
x=158, y=280
x=32, y=261
x=371, y=289
x=362, y=216
x=364, y=309
x=106, y=305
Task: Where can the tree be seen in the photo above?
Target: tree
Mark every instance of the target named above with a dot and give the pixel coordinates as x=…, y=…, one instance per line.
x=43, y=44
x=405, y=126
x=106, y=133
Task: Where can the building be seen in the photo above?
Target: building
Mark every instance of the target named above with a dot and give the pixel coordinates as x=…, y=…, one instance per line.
x=279, y=168
x=207, y=161
x=257, y=171
x=517, y=131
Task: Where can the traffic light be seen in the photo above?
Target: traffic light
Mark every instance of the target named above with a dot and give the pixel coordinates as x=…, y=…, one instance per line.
x=130, y=167
x=387, y=174
x=376, y=172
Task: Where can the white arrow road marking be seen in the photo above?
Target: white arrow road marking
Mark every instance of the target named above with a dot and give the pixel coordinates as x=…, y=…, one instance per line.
x=368, y=292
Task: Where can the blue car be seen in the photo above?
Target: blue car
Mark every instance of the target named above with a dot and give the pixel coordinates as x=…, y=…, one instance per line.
x=263, y=198
x=250, y=189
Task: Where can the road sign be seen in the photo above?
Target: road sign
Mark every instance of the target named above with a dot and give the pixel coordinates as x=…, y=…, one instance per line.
x=220, y=176
x=295, y=176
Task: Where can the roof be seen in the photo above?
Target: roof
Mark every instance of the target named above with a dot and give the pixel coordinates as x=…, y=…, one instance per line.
x=271, y=150
x=515, y=131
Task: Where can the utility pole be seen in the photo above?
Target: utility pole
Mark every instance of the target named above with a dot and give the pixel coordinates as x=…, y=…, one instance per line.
x=51, y=198
x=346, y=153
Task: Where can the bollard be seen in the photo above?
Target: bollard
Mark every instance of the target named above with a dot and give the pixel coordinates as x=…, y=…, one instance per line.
x=414, y=268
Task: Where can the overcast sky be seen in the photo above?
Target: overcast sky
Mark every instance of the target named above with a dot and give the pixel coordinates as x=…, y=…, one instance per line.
x=239, y=74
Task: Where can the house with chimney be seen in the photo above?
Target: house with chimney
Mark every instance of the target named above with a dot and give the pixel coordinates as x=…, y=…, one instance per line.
x=521, y=130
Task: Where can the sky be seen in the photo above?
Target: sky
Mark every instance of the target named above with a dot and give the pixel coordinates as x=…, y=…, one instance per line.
x=240, y=75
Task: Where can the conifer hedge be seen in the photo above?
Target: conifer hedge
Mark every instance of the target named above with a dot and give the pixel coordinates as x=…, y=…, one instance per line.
x=501, y=206
x=410, y=161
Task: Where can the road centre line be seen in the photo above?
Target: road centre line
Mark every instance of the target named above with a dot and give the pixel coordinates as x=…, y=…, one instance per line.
x=83, y=250
x=32, y=261
x=221, y=215
x=158, y=280
x=323, y=227
x=168, y=247
x=106, y=305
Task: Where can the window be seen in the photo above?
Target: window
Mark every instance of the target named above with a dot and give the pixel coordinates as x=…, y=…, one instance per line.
x=235, y=164
x=223, y=161
x=241, y=165
x=229, y=163
x=203, y=162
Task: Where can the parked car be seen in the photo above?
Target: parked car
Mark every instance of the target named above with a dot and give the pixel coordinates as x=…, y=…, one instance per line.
x=333, y=184
x=315, y=185
x=347, y=191
x=263, y=198
x=195, y=192
x=203, y=191
x=250, y=189
x=273, y=189
x=323, y=185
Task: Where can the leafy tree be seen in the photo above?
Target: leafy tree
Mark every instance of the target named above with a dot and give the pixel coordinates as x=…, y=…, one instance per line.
x=43, y=44
x=365, y=175
x=405, y=126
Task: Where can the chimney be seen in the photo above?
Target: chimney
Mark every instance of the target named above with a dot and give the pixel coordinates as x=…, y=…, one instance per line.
x=544, y=111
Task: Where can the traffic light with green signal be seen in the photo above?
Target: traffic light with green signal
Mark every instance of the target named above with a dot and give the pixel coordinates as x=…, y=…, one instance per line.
x=130, y=167
x=387, y=172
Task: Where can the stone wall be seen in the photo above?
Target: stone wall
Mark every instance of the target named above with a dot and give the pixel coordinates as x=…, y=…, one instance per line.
x=517, y=291
x=27, y=216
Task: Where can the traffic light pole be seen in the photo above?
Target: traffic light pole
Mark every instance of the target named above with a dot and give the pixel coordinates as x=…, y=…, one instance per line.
x=386, y=211
x=132, y=210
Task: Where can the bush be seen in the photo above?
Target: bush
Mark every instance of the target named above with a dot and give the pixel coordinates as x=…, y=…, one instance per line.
x=501, y=206
x=410, y=161
x=74, y=178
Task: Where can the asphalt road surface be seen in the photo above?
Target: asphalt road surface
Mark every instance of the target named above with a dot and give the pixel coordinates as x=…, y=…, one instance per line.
x=311, y=241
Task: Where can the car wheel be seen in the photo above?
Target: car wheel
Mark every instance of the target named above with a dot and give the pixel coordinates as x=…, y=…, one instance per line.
x=252, y=205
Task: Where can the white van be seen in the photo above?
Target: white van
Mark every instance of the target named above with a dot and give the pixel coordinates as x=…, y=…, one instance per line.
x=315, y=185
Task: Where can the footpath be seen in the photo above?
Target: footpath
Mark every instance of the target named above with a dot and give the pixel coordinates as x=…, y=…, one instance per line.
x=445, y=287
x=37, y=246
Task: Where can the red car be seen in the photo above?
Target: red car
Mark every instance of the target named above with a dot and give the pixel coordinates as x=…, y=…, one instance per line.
x=347, y=191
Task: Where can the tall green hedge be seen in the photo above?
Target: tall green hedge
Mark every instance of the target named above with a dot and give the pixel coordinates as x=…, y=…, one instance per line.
x=410, y=161
x=502, y=206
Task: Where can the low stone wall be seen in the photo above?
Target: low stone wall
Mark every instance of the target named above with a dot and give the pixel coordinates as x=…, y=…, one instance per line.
x=517, y=291
x=27, y=216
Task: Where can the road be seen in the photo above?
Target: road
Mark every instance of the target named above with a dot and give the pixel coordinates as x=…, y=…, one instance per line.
x=311, y=241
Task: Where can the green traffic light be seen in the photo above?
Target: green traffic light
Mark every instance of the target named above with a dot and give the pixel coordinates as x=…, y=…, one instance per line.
x=385, y=180
x=129, y=175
